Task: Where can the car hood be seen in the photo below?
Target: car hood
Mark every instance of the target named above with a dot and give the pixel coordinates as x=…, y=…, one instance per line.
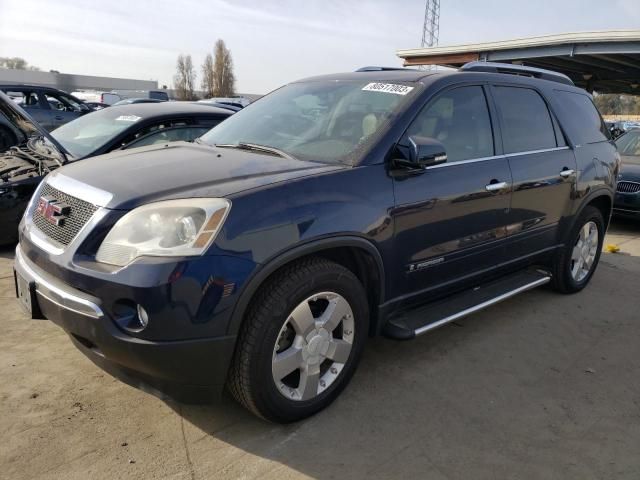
x=23, y=122
x=629, y=171
x=128, y=178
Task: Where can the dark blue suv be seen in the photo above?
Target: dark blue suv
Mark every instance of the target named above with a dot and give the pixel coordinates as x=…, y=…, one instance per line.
x=336, y=208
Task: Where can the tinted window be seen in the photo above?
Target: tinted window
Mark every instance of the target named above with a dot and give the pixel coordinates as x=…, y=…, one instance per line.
x=158, y=95
x=589, y=127
x=459, y=119
x=525, y=120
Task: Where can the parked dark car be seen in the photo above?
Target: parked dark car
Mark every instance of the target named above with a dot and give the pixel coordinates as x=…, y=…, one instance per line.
x=334, y=208
x=124, y=127
x=50, y=107
x=137, y=125
x=615, y=129
x=627, y=200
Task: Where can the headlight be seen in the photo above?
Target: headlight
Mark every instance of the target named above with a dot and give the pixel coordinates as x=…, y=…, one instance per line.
x=167, y=228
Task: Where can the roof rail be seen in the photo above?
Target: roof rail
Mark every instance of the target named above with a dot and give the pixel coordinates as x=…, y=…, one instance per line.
x=509, y=68
x=382, y=69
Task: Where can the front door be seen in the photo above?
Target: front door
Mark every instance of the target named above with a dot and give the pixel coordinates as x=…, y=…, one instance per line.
x=450, y=219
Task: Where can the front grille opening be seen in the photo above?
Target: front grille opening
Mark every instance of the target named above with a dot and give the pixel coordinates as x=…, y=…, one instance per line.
x=80, y=213
x=628, y=187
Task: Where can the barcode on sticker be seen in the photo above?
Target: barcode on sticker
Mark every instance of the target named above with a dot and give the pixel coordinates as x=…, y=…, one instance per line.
x=387, y=88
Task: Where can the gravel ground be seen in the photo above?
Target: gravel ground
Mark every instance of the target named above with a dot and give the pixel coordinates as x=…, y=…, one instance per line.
x=540, y=386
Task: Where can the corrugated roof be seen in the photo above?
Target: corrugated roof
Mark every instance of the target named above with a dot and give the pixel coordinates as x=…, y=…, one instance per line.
x=604, y=61
x=543, y=40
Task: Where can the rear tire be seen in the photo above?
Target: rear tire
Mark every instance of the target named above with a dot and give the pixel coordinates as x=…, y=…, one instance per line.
x=300, y=342
x=576, y=262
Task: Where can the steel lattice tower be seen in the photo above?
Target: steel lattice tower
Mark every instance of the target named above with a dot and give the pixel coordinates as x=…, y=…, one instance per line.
x=431, y=27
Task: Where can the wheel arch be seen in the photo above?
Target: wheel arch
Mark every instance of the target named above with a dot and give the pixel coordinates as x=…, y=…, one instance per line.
x=602, y=199
x=355, y=253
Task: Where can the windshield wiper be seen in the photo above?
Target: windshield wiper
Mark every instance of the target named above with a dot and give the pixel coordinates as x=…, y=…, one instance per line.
x=255, y=147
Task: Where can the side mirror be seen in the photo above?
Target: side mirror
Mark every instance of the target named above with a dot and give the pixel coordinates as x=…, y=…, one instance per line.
x=426, y=152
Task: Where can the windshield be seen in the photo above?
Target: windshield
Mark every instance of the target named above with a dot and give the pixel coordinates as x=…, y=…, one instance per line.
x=325, y=121
x=86, y=134
x=629, y=146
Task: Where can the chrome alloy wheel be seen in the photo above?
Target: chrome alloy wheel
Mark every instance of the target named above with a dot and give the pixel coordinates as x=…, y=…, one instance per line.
x=313, y=346
x=584, y=251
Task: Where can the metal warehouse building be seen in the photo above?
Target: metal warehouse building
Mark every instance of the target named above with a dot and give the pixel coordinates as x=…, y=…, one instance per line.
x=70, y=82
x=607, y=61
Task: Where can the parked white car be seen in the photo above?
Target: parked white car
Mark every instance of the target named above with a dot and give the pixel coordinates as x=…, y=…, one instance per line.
x=108, y=98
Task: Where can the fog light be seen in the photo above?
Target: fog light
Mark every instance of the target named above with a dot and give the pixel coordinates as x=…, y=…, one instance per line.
x=130, y=316
x=143, y=318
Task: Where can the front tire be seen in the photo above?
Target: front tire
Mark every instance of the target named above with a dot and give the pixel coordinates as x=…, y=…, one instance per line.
x=301, y=341
x=576, y=262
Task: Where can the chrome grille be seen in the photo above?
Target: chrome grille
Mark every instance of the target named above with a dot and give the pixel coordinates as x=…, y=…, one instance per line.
x=79, y=214
x=628, y=187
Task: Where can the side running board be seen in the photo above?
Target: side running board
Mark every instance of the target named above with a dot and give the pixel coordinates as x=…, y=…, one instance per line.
x=433, y=315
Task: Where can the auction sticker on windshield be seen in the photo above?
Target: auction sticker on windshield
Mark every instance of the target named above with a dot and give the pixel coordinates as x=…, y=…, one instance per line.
x=387, y=88
x=128, y=118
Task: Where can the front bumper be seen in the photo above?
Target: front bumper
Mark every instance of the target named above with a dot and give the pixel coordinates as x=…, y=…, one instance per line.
x=191, y=370
x=627, y=204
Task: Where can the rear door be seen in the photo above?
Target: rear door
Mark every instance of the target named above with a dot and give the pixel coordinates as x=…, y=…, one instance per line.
x=64, y=108
x=543, y=168
x=450, y=218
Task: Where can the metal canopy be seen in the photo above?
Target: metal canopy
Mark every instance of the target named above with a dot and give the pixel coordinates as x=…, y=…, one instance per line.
x=607, y=62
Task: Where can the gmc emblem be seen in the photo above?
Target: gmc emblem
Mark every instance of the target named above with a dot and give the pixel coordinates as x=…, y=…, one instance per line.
x=53, y=211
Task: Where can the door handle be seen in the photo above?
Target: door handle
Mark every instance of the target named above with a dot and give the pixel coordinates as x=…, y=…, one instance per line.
x=496, y=187
x=566, y=173
x=58, y=117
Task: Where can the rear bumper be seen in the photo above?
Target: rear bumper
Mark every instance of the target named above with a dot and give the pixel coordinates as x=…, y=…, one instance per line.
x=191, y=370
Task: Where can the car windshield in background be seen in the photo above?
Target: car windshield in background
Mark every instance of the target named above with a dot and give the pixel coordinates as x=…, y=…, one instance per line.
x=325, y=121
x=90, y=132
x=629, y=146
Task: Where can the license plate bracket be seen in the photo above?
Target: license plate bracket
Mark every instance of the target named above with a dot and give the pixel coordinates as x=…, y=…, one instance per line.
x=26, y=295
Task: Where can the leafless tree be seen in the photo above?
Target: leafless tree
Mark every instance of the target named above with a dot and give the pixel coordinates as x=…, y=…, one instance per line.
x=185, y=78
x=224, y=79
x=208, y=76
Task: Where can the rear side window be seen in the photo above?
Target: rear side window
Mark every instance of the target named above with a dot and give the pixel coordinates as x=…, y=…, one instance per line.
x=25, y=98
x=159, y=95
x=588, y=125
x=525, y=120
x=459, y=119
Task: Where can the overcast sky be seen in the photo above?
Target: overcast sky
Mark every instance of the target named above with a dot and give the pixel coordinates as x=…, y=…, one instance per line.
x=272, y=41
